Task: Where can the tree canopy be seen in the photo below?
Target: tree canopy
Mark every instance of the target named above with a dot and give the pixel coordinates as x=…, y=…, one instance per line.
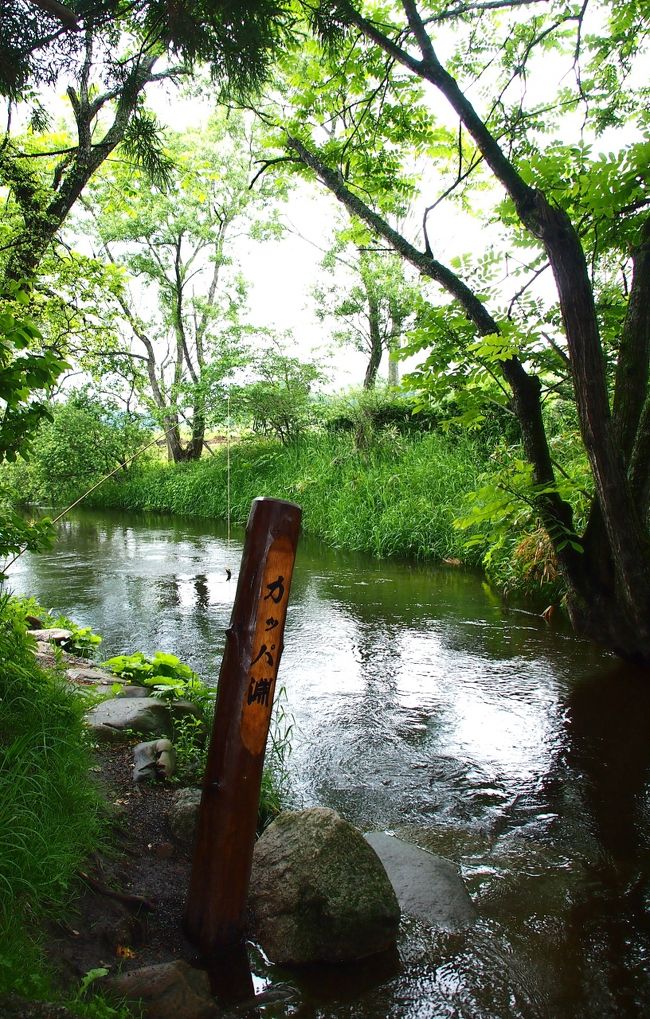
x=457, y=91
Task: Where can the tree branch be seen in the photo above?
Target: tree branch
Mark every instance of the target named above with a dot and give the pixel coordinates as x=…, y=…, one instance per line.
x=556, y=513
x=58, y=11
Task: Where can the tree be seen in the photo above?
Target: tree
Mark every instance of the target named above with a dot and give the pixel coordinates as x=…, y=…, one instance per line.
x=373, y=313
x=572, y=206
x=279, y=401
x=237, y=39
x=82, y=442
x=180, y=335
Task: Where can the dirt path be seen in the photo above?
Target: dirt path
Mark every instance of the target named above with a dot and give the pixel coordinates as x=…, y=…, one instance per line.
x=129, y=909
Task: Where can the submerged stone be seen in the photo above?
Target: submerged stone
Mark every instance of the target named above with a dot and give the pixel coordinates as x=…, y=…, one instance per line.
x=427, y=886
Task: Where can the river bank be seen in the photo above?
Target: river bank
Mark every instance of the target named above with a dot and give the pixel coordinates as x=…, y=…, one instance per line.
x=399, y=496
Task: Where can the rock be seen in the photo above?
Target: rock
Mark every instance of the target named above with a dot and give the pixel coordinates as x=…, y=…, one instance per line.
x=428, y=887
x=147, y=715
x=319, y=892
x=156, y=759
x=54, y=636
x=183, y=812
x=93, y=674
x=132, y=691
x=162, y=850
x=171, y=990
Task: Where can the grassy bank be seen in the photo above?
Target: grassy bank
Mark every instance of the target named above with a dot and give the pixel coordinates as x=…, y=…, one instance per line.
x=399, y=496
x=50, y=814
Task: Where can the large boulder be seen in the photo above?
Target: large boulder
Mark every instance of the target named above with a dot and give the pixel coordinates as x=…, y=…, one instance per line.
x=121, y=716
x=319, y=892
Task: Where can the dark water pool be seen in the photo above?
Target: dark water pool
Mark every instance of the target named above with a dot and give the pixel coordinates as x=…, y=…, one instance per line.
x=424, y=707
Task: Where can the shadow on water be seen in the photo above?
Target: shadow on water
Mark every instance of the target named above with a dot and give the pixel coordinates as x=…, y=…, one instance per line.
x=424, y=707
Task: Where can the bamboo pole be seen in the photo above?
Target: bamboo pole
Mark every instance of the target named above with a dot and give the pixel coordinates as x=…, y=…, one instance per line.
x=223, y=852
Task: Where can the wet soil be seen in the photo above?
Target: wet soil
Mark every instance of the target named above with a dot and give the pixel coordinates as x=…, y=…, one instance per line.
x=128, y=912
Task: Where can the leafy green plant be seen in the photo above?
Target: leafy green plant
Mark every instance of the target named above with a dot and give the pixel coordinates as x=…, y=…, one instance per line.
x=82, y=441
x=399, y=497
x=163, y=674
x=89, y=1004
x=190, y=743
x=191, y=736
x=82, y=642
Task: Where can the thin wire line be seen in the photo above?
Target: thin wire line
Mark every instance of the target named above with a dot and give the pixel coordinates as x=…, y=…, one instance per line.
x=81, y=498
x=228, y=472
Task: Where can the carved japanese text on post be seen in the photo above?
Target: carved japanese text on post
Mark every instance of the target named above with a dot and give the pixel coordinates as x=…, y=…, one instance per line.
x=267, y=646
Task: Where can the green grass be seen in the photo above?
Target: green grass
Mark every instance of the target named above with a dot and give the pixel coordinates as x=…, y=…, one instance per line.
x=399, y=496
x=50, y=812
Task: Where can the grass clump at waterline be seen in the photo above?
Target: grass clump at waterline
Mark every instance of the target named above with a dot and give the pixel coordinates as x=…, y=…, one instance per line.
x=398, y=496
x=51, y=815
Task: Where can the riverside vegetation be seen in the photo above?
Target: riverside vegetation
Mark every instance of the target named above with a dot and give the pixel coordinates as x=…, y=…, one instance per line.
x=370, y=473
x=52, y=814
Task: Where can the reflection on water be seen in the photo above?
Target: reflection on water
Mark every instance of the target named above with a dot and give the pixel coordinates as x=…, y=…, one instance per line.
x=422, y=706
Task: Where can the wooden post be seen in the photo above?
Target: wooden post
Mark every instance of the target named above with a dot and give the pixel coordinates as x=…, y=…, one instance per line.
x=223, y=852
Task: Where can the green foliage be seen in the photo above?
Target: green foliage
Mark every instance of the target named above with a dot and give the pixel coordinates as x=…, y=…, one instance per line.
x=164, y=674
x=502, y=523
x=82, y=642
x=87, y=1003
x=371, y=305
x=190, y=743
x=191, y=737
x=280, y=402
x=83, y=441
x=237, y=40
x=26, y=375
x=50, y=813
x=398, y=496
x=276, y=791
x=178, y=245
x=366, y=412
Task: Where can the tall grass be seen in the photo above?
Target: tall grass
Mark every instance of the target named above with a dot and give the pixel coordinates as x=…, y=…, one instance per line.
x=399, y=496
x=50, y=814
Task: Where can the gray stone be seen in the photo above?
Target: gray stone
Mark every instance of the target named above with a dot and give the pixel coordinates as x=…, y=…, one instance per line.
x=53, y=636
x=132, y=691
x=93, y=674
x=183, y=812
x=428, y=887
x=319, y=892
x=147, y=715
x=171, y=990
x=156, y=759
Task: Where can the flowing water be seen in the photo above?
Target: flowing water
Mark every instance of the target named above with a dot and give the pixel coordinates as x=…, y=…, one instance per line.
x=424, y=707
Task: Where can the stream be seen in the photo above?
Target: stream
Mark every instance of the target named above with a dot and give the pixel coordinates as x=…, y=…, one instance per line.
x=425, y=707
